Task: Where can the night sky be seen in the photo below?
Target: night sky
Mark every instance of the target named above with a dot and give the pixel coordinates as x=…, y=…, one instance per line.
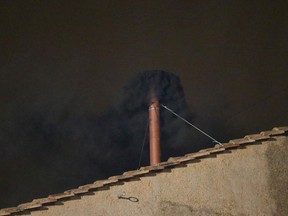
x=63, y=65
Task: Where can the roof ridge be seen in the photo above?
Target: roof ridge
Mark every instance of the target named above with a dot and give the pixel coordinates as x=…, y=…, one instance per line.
x=171, y=162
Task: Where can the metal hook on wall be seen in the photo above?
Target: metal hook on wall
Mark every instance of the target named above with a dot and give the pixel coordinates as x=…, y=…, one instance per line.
x=131, y=199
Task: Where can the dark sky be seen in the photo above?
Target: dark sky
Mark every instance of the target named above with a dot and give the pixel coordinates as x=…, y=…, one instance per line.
x=231, y=57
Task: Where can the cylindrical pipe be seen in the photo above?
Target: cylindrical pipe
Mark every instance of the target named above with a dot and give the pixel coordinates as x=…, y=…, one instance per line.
x=154, y=129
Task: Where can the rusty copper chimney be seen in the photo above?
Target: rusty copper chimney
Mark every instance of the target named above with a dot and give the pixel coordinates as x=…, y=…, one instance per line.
x=154, y=129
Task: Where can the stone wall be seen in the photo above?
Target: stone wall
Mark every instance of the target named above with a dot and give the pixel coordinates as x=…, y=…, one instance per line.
x=252, y=180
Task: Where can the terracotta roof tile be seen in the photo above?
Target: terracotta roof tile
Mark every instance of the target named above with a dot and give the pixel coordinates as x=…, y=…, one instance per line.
x=4, y=213
x=257, y=137
x=136, y=172
x=281, y=128
x=77, y=191
x=272, y=132
x=29, y=205
x=169, y=163
x=181, y=159
x=61, y=195
x=95, y=185
x=152, y=168
x=108, y=181
x=37, y=203
x=240, y=141
x=120, y=177
x=9, y=211
x=190, y=157
x=87, y=186
x=230, y=145
x=47, y=200
x=198, y=154
x=206, y=150
x=216, y=150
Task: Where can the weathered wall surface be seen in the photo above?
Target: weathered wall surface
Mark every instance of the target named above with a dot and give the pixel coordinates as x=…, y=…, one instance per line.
x=248, y=181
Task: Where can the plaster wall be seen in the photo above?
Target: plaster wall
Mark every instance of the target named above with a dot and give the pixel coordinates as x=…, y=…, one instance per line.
x=248, y=181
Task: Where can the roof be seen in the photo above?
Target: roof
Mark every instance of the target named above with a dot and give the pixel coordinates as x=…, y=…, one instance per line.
x=37, y=204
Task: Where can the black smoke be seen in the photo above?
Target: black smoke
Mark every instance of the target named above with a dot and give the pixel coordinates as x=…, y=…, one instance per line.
x=50, y=144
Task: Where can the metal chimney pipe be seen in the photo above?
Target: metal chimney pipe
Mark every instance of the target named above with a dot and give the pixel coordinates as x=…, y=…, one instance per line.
x=154, y=129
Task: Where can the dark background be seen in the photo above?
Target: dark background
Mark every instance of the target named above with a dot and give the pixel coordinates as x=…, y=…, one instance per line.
x=231, y=57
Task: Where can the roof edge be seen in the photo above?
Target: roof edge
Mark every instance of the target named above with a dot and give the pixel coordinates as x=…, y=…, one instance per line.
x=251, y=139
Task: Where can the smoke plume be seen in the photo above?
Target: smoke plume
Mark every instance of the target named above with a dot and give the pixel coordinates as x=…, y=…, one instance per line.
x=49, y=145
